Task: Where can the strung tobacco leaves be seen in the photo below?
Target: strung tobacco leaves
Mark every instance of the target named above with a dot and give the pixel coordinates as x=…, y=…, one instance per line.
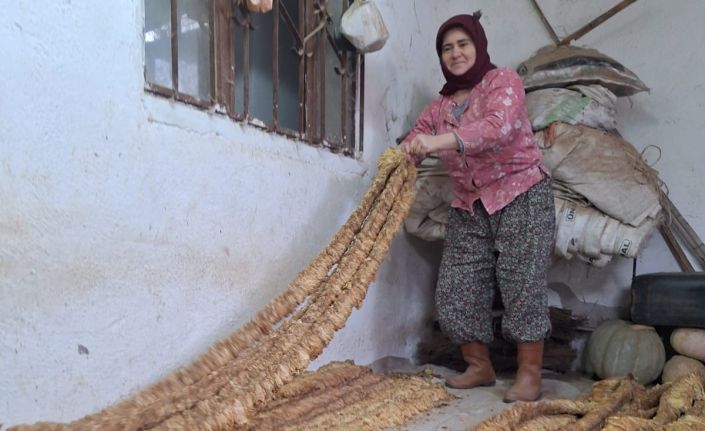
x=238, y=377
x=342, y=396
x=617, y=404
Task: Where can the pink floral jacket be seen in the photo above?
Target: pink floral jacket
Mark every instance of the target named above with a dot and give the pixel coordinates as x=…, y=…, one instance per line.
x=500, y=160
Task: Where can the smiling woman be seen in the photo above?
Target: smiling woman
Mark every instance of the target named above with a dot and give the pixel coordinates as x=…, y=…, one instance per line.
x=458, y=51
x=500, y=229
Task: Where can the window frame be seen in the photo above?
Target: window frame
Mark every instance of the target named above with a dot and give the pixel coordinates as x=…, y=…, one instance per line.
x=225, y=15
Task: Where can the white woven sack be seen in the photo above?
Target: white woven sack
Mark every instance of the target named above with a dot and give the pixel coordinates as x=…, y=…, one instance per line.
x=569, y=225
x=571, y=222
x=629, y=240
x=592, y=236
x=590, y=105
x=363, y=26
x=563, y=233
x=599, y=262
x=590, y=244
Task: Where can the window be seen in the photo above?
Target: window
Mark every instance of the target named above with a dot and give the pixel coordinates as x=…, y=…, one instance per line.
x=289, y=70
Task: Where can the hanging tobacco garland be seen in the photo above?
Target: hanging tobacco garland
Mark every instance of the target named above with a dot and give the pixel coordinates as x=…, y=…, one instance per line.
x=237, y=377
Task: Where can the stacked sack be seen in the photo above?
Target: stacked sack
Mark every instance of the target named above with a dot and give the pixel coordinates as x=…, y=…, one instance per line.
x=607, y=197
x=428, y=215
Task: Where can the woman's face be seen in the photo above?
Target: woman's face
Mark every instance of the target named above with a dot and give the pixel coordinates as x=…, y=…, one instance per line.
x=457, y=51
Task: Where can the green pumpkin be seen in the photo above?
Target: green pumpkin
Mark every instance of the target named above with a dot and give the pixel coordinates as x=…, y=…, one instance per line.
x=618, y=348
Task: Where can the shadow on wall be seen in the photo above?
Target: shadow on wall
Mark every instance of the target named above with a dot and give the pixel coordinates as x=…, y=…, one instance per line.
x=595, y=313
x=430, y=252
x=404, y=310
x=400, y=116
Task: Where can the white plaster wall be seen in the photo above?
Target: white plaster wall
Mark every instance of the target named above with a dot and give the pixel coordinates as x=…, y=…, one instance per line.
x=135, y=232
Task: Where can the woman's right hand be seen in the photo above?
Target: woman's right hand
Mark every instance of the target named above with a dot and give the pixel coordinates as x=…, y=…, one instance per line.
x=419, y=147
x=406, y=148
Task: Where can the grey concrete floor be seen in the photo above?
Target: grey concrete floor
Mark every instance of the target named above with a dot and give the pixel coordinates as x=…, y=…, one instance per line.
x=475, y=405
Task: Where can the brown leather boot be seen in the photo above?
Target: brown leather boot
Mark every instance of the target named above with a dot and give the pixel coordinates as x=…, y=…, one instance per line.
x=527, y=385
x=479, y=371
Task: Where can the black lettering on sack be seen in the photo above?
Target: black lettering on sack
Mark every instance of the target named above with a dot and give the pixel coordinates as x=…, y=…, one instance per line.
x=626, y=245
x=570, y=215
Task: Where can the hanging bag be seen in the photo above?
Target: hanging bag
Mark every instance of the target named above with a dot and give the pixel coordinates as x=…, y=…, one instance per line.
x=259, y=6
x=363, y=26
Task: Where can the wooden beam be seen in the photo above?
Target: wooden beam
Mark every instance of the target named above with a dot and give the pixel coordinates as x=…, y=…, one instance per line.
x=595, y=22
x=546, y=24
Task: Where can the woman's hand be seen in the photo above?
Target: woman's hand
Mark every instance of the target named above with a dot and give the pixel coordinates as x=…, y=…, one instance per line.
x=421, y=146
x=418, y=148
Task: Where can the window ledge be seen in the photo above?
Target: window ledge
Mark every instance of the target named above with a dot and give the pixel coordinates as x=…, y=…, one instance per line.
x=249, y=138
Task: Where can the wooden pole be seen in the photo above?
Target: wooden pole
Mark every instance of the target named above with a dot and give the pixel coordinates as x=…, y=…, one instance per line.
x=595, y=22
x=675, y=248
x=546, y=24
x=682, y=228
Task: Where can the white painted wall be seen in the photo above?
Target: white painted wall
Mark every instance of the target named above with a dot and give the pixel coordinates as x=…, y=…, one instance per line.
x=135, y=232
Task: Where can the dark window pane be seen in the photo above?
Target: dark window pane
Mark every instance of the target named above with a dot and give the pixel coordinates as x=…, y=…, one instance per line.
x=239, y=59
x=288, y=70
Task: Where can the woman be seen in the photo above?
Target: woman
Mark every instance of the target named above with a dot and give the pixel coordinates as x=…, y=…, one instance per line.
x=502, y=221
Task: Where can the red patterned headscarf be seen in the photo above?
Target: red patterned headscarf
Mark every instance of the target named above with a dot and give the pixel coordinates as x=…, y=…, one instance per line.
x=471, y=25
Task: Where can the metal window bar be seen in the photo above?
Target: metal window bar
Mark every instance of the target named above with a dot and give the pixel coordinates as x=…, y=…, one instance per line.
x=310, y=99
x=246, y=63
x=361, y=107
x=344, y=90
x=211, y=53
x=224, y=58
x=322, y=15
x=302, y=68
x=174, y=48
x=275, y=65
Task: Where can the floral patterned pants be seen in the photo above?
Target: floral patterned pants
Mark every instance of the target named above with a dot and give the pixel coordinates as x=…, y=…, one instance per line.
x=510, y=249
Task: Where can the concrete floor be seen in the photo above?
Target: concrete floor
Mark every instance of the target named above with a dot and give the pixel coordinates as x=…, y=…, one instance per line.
x=475, y=405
